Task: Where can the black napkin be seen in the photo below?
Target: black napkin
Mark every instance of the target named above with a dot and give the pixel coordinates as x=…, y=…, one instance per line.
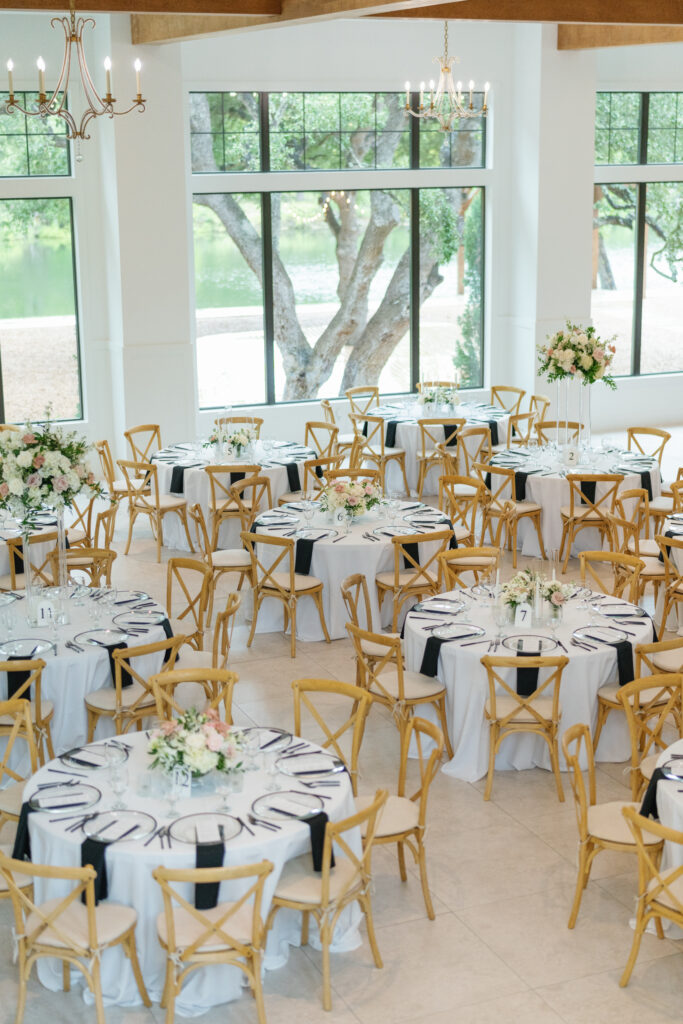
x=236, y=477
x=390, y=435
x=126, y=679
x=669, y=533
x=15, y=680
x=293, y=476
x=646, y=482
x=648, y=808
x=588, y=488
x=520, y=485
x=430, y=658
x=178, y=480
x=208, y=855
x=453, y=542
x=317, y=824
x=624, y=662
x=493, y=427
x=450, y=434
x=18, y=558
x=168, y=632
x=487, y=481
x=413, y=551
x=527, y=678
x=92, y=852
x=304, y=554
x=22, y=840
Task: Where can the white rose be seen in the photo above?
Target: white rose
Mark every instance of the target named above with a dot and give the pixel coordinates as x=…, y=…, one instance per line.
x=24, y=459
x=195, y=741
x=16, y=485
x=600, y=372
x=586, y=362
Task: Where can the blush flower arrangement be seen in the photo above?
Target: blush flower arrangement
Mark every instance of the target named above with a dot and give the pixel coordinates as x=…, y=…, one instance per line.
x=577, y=353
x=355, y=496
x=522, y=587
x=198, y=741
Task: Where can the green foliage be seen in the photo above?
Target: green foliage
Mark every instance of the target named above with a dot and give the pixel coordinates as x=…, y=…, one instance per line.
x=617, y=127
x=439, y=223
x=31, y=145
x=27, y=219
x=467, y=358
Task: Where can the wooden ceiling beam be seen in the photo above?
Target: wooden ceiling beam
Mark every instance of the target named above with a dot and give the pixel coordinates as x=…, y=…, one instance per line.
x=234, y=8
x=601, y=12
x=586, y=37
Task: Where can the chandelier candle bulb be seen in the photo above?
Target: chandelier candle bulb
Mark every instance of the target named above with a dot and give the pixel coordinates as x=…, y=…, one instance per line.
x=10, y=78
x=471, y=91
x=107, y=73
x=487, y=86
x=138, y=67
x=407, y=95
x=422, y=95
x=431, y=94
x=40, y=64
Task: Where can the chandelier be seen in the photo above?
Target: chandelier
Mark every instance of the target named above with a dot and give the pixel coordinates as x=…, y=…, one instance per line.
x=449, y=103
x=55, y=105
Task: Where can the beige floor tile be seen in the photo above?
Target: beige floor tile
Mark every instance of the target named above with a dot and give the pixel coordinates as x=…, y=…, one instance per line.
x=524, y=1006
x=654, y=995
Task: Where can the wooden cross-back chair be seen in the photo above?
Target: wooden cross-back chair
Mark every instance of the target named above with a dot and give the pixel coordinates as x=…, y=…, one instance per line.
x=192, y=579
x=105, y=524
x=143, y=441
x=231, y=933
x=423, y=385
x=507, y=397
x=327, y=893
x=353, y=474
x=380, y=659
x=600, y=826
x=539, y=404
x=373, y=447
x=673, y=578
x=223, y=562
x=634, y=504
x=624, y=538
x=363, y=399
x=659, y=889
x=356, y=596
x=130, y=704
x=649, y=441
x=144, y=498
x=251, y=496
x=217, y=685
x=501, y=508
x=41, y=711
x=70, y=928
x=624, y=569
x=590, y=496
x=450, y=459
x=474, y=445
x=95, y=563
x=314, y=477
x=477, y=561
x=41, y=572
x=116, y=489
x=256, y=422
x=344, y=441
x=547, y=430
x=508, y=712
x=322, y=438
x=460, y=498
x=403, y=819
x=434, y=432
x=521, y=428
x=222, y=503
x=310, y=695
x=17, y=713
x=223, y=628
x=415, y=572
x=666, y=504
x=277, y=579
x=79, y=531
x=651, y=705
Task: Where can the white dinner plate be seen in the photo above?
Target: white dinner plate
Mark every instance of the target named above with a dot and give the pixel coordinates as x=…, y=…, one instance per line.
x=271, y=739
x=310, y=766
x=600, y=634
x=439, y=605
x=204, y=828
x=393, y=531
x=125, y=597
x=96, y=756
x=112, y=826
x=30, y=647
x=458, y=631
x=286, y=805
x=144, y=617
x=101, y=637
x=530, y=643
x=62, y=798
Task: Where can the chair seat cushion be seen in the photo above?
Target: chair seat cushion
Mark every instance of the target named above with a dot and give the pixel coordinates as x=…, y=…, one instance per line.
x=388, y=452
x=375, y=650
x=398, y=815
x=653, y=567
x=11, y=798
x=46, y=709
x=290, y=496
x=166, y=503
x=505, y=704
x=664, y=898
x=77, y=537
x=606, y=821
x=183, y=627
x=189, y=658
x=301, y=582
x=415, y=685
x=188, y=929
x=662, y=504
x=648, y=765
x=464, y=490
x=669, y=661
x=645, y=547
x=608, y=694
x=578, y=513
x=386, y=579
x=222, y=505
x=113, y=921
x=105, y=699
x=19, y=581
x=461, y=533
x=299, y=882
x=230, y=556
x=472, y=561
x=21, y=880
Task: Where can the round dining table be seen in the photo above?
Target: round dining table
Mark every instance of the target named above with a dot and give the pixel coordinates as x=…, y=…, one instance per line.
x=460, y=670
x=540, y=477
x=130, y=863
x=180, y=471
x=673, y=527
x=366, y=548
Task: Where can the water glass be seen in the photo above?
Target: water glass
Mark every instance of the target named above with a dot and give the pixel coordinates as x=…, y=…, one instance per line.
x=270, y=761
x=118, y=780
x=224, y=787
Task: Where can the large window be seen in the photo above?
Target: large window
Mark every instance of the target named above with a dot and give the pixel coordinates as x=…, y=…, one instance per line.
x=638, y=231
x=31, y=146
x=39, y=364
x=314, y=290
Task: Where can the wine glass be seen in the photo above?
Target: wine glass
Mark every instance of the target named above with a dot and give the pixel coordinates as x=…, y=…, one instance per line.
x=270, y=761
x=308, y=509
x=500, y=617
x=118, y=780
x=224, y=789
x=251, y=744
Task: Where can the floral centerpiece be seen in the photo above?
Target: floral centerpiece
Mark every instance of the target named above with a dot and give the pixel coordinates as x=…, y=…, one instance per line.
x=198, y=741
x=440, y=396
x=521, y=588
x=354, y=496
x=240, y=439
x=577, y=353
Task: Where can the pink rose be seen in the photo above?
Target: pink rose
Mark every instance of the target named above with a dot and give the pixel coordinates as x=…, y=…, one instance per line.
x=38, y=461
x=33, y=480
x=599, y=354
x=4, y=490
x=29, y=438
x=572, y=369
x=339, y=488
x=60, y=483
x=352, y=500
x=550, y=352
x=91, y=478
x=168, y=728
x=556, y=598
x=214, y=740
x=222, y=727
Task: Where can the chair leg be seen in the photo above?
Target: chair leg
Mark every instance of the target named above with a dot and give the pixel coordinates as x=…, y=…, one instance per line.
x=537, y=524
x=635, y=946
x=318, y=598
x=254, y=617
x=160, y=531
x=131, y=519
x=258, y=987
x=48, y=741
x=21, y=996
x=325, y=939
x=555, y=763
x=603, y=712
x=97, y=992
x=400, y=850
x=305, y=924
x=402, y=464
x=422, y=861
x=493, y=740
x=132, y=954
x=581, y=879
x=292, y=623
x=512, y=531
x=66, y=976
x=441, y=707
x=568, y=538
x=366, y=907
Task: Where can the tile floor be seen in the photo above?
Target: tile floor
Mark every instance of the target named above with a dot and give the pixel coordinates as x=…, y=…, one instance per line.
x=502, y=877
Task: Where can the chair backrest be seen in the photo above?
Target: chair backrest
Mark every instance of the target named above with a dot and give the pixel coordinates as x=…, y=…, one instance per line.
x=96, y=563
x=425, y=385
x=353, y=588
x=105, y=524
x=371, y=668
x=648, y=441
x=311, y=696
x=219, y=933
x=438, y=431
x=673, y=574
x=650, y=703
x=256, y=422
x=193, y=579
x=282, y=561
x=474, y=445
x=328, y=411
x=30, y=688
x=142, y=483
x=256, y=489
x=51, y=924
x=460, y=498
x=124, y=658
x=411, y=556
x=633, y=504
x=217, y=683
x=646, y=653
x=572, y=740
x=372, y=441
x=353, y=474
x=221, y=482
x=480, y=561
x=17, y=557
x=450, y=458
x=143, y=441
x=623, y=533
x=657, y=884
x=521, y=428
x=18, y=715
x=196, y=515
x=417, y=732
x=222, y=630
x=521, y=705
x=547, y=429
x=507, y=397
x=626, y=570
x=363, y=398
x=107, y=463
x=499, y=486
x=360, y=877
x=81, y=510
x=677, y=494
x=316, y=470
x=592, y=494
x=322, y=437
x=539, y=404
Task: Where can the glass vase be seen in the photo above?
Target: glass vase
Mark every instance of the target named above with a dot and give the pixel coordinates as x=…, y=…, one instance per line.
x=61, y=580
x=31, y=597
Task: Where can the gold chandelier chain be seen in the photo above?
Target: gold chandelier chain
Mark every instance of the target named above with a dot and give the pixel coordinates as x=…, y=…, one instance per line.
x=445, y=42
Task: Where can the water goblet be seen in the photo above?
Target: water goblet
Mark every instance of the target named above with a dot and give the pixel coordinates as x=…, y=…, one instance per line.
x=270, y=761
x=500, y=617
x=251, y=745
x=224, y=787
x=118, y=780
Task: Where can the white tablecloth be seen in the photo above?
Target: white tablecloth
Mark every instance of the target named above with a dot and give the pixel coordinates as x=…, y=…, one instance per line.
x=129, y=871
x=466, y=682
x=674, y=619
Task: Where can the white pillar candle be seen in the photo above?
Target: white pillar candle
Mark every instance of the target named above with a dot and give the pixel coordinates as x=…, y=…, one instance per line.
x=10, y=76
x=138, y=67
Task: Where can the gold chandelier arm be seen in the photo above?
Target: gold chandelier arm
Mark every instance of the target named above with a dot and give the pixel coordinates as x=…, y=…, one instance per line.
x=96, y=104
x=54, y=105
